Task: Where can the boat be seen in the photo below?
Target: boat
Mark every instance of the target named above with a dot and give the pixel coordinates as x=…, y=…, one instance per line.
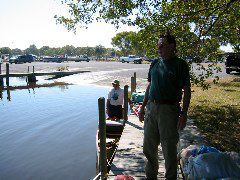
x=114, y=131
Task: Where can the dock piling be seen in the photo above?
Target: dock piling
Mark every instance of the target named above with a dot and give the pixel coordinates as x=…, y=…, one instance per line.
x=135, y=81
x=7, y=74
x=1, y=78
x=31, y=78
x=125, y=117
x=102, y=134
x=132, y=85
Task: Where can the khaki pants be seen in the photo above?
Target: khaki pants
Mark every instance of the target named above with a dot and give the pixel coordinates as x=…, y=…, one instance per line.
x=160, y=126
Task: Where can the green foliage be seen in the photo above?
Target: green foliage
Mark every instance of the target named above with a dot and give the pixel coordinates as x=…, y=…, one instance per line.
x=214, y=20
x=5, y=50
x=45, y=50
x=127, y=43
x=69, y=50
x=216, y=113
x=32, y=50
x=200, y=26
x=17, y=51
x=100, y=50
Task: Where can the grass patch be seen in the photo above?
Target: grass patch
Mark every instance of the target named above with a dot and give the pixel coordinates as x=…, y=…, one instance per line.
x=216, y=112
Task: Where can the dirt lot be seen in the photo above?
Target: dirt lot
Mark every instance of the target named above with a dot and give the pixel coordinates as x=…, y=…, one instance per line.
x=101, y=73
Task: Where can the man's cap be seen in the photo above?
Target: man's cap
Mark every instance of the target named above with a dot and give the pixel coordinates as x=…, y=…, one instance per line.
x=116, y=82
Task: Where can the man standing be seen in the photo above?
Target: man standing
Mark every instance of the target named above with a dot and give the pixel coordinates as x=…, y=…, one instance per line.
x=167, y=77
x=115, y=101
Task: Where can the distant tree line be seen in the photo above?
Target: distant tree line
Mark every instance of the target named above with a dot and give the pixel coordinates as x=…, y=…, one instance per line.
x=69, y=50
x=124, y=43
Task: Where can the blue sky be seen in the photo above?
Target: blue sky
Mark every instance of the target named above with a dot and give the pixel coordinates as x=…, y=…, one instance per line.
x=26, y=22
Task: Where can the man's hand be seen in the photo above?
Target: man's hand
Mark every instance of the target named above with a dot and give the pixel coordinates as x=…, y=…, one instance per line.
x=141, y=115
x=182, y=121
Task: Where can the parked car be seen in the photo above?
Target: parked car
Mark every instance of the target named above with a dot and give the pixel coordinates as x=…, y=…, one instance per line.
x=82, y=58
x=57, y=59
x=232, y=62
x=1, y=60
x=149, y=59
x=13, y=59
x=131, y=58
x=21, y=59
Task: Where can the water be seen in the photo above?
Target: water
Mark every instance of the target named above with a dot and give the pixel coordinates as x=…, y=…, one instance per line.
x=49, y=133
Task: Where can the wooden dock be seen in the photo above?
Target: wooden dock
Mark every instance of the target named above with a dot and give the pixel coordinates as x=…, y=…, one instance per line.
x=57, y=73
x=129, y=158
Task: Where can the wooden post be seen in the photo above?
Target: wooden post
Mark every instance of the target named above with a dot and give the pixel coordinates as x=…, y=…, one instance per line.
x=135, y=81
x=132, y=85
x=7, y=74
x=125, y=117
x=28, y=69
x=102, y=134
x=8, y=95
x=1, y=96
x=33, y=69
x=1, y=79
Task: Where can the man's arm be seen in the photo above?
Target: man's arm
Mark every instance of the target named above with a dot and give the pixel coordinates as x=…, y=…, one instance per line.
x=141, y=113
x=186, y=101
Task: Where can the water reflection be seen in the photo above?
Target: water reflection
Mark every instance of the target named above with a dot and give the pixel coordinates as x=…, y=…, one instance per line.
x=1, y=93
x=8, y=95
x=31, y=89
x=30, y=86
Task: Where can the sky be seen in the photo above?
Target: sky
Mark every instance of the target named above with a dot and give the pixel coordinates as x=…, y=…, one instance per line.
x=27, y=22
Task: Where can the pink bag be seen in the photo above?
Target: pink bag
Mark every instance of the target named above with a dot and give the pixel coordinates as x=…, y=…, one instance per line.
x=123, y=177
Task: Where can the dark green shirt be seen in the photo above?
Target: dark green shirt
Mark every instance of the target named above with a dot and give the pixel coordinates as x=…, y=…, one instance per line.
x=168, y=77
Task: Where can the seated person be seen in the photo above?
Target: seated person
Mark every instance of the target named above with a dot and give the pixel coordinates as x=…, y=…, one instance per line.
x=115, y=101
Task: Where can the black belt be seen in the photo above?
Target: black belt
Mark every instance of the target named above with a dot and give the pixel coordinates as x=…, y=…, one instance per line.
x=164, y=102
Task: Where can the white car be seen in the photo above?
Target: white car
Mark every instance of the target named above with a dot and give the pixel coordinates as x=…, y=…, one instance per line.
x=131, y=58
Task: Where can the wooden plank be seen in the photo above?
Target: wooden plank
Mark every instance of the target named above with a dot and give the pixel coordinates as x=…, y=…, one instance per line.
x=60, y=73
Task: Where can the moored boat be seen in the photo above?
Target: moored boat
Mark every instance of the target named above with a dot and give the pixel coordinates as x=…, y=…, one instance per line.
x=114, y=131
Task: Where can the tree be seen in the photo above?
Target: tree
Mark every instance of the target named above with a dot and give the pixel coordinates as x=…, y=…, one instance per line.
x=111, y=52
x=5, y=50
x=32, y=50
x=44, y=51
x=16, y=51
x=124, y=41
x=69, y=50
x=100, y=50
x=129, y=43
x=89, y=51
x=199, y=26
